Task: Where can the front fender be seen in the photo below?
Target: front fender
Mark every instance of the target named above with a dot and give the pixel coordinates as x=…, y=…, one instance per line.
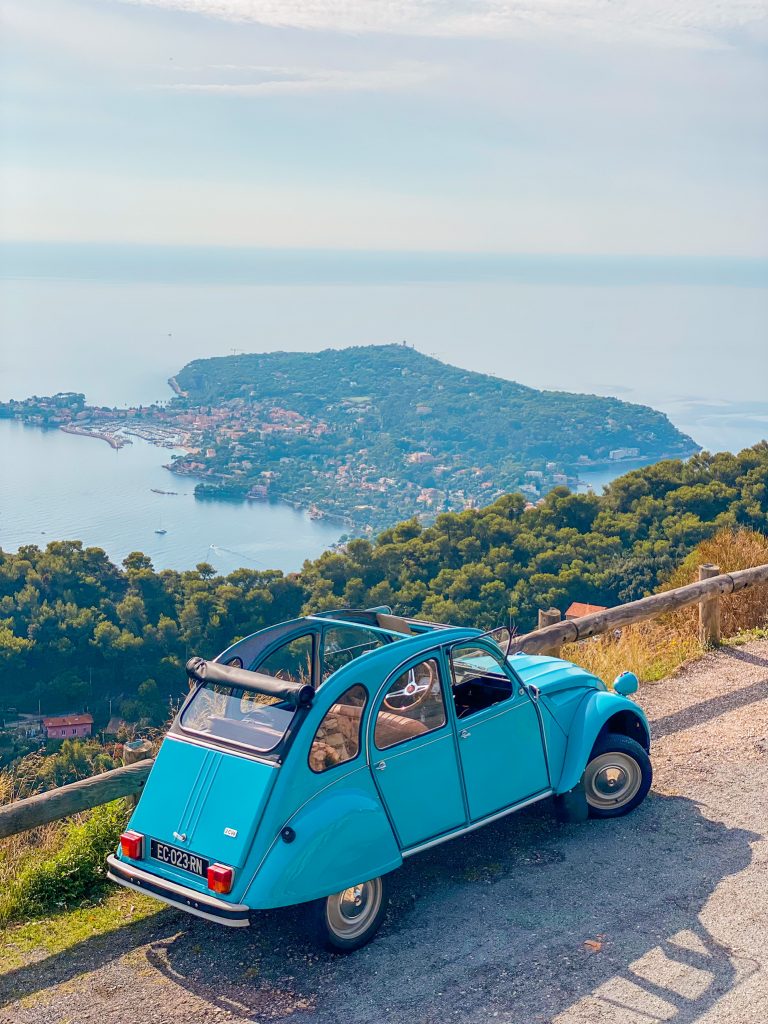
x=342, y=837
x=591, y=715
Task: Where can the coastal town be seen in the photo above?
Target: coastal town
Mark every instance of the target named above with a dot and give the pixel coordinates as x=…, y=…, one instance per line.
x=334, y=452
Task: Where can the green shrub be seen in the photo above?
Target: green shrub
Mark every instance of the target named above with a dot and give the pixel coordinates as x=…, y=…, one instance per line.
x=74, y=871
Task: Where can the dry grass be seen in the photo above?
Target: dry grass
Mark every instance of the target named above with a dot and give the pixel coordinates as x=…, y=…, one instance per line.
x=654, y=649
x=649, y=649
x=730, y=550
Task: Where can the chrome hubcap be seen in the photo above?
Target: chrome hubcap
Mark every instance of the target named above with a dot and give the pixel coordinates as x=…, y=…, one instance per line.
x=351, y=911
x=612, y=780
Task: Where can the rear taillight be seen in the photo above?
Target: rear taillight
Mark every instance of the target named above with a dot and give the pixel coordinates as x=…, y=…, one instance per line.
x=132, y=844
x=220, y=878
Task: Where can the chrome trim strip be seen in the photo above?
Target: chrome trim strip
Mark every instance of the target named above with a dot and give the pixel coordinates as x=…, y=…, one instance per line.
x=479, y=824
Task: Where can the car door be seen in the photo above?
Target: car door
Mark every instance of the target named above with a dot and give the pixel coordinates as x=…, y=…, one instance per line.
x=501, y=748
x=413, y=754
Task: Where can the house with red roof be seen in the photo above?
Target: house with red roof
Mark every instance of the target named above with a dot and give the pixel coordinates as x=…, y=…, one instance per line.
x=68, y=727
x=579, y=608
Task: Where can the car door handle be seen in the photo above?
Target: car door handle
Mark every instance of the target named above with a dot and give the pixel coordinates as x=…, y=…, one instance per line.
x=465, y=734
x=381, y=766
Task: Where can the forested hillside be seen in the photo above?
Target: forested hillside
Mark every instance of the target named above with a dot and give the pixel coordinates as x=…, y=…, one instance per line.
x=379, y=432
x=77, y=630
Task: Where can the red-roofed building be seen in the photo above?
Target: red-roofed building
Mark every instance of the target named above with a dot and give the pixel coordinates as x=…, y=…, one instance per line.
x=67, y=727
x=578, y=608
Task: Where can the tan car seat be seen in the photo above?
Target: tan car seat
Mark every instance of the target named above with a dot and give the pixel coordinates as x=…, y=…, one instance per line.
x=337, y=738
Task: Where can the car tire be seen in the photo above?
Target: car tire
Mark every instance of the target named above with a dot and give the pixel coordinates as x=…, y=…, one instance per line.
x=617, y=777
x=347, y=920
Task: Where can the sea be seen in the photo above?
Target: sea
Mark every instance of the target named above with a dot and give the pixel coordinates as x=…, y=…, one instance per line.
x=689, y=338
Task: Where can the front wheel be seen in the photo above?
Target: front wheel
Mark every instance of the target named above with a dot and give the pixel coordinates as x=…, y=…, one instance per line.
x=617, y=777
x=349, y=919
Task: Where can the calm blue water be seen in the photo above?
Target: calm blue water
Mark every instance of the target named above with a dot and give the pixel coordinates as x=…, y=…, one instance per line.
x=59, y=486
x=693, y=346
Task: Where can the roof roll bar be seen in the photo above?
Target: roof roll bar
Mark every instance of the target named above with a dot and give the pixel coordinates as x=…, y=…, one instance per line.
x=300, y=695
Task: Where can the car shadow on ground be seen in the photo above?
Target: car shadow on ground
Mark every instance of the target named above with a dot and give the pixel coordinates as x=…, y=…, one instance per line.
x=496, y=923
x=519, y=920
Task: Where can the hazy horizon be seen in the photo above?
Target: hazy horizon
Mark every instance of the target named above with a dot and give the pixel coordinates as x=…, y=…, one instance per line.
x=569, y=126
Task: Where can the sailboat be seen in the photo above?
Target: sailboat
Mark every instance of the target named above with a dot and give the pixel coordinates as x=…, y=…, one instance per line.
x=160, y=528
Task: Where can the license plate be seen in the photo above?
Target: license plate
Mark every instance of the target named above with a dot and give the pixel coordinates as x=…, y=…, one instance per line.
x=178, y=858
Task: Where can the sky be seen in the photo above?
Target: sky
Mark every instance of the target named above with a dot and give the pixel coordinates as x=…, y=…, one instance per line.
x=478, y=126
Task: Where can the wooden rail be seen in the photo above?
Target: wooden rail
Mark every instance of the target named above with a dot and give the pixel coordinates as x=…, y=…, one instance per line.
x=129, y=780
x=706, y=593
x=22, y=815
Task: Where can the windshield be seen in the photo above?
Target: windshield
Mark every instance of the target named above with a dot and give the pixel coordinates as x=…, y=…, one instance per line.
x=471, y=662
x=237, y=715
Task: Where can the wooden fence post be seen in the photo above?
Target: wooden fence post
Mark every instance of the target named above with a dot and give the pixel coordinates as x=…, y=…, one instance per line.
x=136, y=750
x=548, y=617
x=709, y=610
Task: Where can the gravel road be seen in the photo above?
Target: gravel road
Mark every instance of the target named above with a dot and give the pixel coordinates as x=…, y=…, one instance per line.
x=661, y=916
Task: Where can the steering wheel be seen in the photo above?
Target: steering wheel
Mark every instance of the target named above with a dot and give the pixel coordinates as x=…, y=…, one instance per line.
x=415, y=691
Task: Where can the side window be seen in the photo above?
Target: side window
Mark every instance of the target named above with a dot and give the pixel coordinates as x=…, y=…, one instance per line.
x=345, y=643
x=291, y=661
x=478, y=678
x=338, y=736
x=412, y=706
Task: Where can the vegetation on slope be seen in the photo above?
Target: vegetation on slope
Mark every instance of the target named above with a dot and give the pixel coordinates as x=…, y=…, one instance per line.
x=61, y=865
x=370, y=435
x=77, y=630
x=385, y=431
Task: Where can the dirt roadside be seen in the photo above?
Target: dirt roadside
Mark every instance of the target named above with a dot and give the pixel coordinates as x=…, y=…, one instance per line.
x=662, y=916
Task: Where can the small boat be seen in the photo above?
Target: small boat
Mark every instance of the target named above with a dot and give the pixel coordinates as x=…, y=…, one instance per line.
x=161, y=531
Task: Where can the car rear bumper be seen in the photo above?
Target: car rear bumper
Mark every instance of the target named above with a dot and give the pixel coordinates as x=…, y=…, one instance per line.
x=234, y=915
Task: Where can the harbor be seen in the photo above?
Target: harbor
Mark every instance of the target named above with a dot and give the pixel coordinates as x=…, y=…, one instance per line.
x=65, y=489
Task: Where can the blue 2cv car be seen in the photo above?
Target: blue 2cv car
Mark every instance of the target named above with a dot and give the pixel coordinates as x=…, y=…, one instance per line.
x=312, y=757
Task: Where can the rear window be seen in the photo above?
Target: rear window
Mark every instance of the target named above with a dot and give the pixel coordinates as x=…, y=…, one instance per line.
x=237, y=715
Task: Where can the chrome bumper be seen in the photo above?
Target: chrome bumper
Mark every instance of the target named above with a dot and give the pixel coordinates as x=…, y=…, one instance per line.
x=234, y=915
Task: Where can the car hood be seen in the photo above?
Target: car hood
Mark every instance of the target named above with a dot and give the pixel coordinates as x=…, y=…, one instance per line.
x=553, y=675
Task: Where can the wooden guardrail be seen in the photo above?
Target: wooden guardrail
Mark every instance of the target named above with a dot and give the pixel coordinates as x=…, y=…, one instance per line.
x=712, y=585
x=22, y=815
x=129, y=780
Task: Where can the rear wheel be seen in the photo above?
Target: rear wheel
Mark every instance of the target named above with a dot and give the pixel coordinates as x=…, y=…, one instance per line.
x=349, y=919
x=617, y=777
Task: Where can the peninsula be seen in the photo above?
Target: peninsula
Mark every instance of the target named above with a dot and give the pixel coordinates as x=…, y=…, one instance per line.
x=370, y=434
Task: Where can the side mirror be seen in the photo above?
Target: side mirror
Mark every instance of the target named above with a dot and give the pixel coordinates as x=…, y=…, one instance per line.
x=626, y=683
